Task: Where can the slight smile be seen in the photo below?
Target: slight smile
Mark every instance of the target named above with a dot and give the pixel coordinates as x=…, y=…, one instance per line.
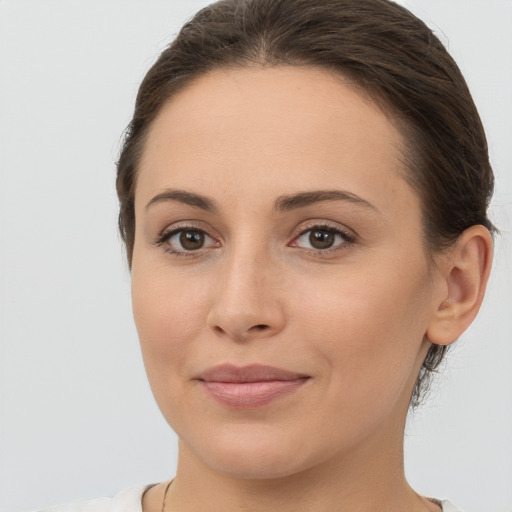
x=249, y=387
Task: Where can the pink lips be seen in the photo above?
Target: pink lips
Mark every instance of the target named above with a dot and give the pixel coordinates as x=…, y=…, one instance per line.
x=251, y=386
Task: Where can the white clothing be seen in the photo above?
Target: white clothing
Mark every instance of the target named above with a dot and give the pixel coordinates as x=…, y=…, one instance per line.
x=449, y=507
x=130, y=500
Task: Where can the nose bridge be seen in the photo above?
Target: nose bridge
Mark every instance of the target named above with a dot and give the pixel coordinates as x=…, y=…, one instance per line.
x=246, y=302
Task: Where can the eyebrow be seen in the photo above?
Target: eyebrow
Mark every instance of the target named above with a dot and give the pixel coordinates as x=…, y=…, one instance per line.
x=182, y=196
x=303, y=199
x=282, y=204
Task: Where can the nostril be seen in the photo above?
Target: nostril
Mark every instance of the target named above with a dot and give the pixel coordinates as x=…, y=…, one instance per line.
x=259, y=327
x=241, y=330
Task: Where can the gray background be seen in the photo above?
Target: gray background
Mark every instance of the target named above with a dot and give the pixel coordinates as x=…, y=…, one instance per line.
x=77, y=418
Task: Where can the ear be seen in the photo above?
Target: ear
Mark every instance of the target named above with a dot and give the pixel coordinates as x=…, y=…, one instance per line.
x=464, y=271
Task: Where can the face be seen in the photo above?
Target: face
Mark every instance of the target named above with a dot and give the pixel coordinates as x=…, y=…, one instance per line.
x=281, y=288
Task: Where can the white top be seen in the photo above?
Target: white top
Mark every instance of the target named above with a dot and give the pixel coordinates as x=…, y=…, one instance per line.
x=130, y=500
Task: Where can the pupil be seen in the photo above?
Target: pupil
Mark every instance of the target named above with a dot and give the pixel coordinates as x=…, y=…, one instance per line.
x=321, y=239
x=191, y=240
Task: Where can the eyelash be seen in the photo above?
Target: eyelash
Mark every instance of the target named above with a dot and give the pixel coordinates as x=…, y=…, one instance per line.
x=348, y=239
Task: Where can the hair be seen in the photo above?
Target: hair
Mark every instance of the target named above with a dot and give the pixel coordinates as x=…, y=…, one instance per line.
x=388, y=53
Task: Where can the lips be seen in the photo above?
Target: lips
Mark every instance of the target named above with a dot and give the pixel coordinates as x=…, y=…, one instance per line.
x=249, y=386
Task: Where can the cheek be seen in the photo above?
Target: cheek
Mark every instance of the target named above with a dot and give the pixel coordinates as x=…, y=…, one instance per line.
x=168, y=315
x=367, y=327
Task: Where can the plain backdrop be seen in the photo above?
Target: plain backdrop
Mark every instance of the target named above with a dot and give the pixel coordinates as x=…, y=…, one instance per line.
x=77, y=418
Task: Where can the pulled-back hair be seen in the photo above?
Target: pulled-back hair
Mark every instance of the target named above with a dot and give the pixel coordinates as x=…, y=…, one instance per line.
x=386, y=51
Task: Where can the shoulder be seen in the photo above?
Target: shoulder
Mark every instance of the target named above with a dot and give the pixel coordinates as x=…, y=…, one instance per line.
x=129, y=500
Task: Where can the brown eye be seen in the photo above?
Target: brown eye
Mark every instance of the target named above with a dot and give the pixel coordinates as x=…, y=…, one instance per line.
x=186, y=241
x=191, y=240
x=322, y=238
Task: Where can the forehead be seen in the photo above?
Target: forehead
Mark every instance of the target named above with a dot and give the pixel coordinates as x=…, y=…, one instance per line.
x=267, y=131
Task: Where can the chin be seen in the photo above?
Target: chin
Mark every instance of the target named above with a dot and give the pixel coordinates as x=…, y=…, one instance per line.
x=248, y=452
x=266, y=466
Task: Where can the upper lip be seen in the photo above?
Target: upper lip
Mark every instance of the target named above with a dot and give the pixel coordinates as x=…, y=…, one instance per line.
x=250, y=373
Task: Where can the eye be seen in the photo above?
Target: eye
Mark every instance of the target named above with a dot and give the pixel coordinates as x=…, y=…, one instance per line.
x=186, y=241
x=323, y=238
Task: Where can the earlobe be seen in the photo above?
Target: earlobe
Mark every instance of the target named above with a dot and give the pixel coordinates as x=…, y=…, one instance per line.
x=465, y=271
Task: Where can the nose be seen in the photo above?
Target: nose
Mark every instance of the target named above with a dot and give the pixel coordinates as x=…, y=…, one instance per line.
x=247, y=301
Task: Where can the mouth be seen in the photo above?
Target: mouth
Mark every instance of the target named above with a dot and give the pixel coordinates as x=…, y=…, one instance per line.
x=249, y=387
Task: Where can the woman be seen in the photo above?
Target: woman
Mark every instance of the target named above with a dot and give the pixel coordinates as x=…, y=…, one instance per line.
x=304, y=189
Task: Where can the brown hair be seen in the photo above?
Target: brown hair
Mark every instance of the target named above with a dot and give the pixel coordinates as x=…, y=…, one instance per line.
x=387, y=51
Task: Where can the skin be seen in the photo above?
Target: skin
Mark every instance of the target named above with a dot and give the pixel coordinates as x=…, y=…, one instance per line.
x=355, y=318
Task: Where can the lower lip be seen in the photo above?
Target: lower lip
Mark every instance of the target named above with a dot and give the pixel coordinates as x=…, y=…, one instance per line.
x=249, y=395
